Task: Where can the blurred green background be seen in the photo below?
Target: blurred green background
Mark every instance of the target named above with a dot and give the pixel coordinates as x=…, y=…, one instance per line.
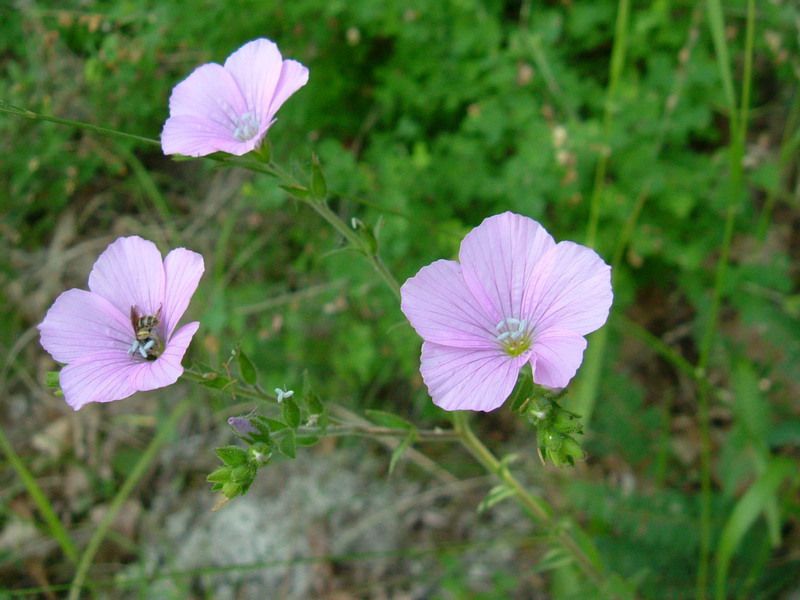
x=427, y=116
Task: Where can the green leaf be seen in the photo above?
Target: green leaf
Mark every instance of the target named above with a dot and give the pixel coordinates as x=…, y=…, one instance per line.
x=221, y=475
x=523, y=389
x=287, y=443
x=297, y=192
x=315, y=406
x=387, y=419
x=291, y=412
x=272, y=424
x=306, y=440
x=318, y=187
x=556, y=558
x=232, y=456
x=497, y=494
x=247, y=368
x=757, y=499
x=401, y=449
x=51, y=379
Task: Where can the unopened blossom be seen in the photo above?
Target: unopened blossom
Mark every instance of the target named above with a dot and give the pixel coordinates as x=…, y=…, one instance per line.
x=119, y=337
x=228, y=108
x=514, y=297
x=242, y=425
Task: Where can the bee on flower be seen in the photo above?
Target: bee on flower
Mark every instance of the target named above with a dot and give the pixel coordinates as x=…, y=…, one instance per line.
x=120, y=336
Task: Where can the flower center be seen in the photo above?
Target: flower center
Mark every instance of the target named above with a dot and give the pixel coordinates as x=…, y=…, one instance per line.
x=246, y=127
x=513, y=336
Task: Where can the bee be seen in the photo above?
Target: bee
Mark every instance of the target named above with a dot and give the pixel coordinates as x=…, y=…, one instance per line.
x=147, y=342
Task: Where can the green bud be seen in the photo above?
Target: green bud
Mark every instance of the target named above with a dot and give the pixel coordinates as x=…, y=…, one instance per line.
x=571, y=450
x=221, y=475
x=566, y=422
x=231, y=489
x=242, y=474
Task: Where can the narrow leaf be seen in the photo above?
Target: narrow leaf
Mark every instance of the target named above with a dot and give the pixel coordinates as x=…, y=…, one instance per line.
x=246, y=368
x=306, y=440
x=291, y=412
x=401, y=449
x=387, y=419
x=232, y=456
x=318, y=187
x=497, y=494
x=297, y=192
x=273, y=424
x=752, y=503
x=287, y=443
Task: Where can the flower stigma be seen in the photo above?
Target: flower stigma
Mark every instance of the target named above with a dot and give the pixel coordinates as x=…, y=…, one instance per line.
x=513, y=336
x=246, y=127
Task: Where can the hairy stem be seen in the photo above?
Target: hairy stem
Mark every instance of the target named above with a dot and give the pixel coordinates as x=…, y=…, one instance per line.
x=536, y=508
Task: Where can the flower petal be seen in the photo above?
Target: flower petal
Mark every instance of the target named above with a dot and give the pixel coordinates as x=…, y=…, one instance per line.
x=111, y=375
x=128, y=273
x=167, y=368
x=442, y=310
x=256, y=68
x=468, y=379
x=557, y=354
x=293, y=77
x=101, y=377
x=182, y=270
x=497, y=259
x=81, y=323
x=570, y=289
x=193, y=136
x=204, y=110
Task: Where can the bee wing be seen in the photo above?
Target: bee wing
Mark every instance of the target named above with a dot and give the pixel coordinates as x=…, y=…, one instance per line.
x=134, y=318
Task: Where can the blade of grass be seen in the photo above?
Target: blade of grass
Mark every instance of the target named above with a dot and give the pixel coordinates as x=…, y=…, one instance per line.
x=57, y=530
x=753, y=502
x=583, y=399
x=617, y=62
x=738, y=128
x=147, y=457
x=152, y=192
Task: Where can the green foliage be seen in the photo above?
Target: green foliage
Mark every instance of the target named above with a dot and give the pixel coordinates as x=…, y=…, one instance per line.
x=429, y=117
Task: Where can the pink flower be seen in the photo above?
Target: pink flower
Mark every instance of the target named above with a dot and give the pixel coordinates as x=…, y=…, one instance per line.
x=229, y=108
x=120, y=338
x=515, y=297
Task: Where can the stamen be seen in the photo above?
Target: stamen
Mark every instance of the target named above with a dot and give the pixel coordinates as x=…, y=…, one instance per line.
x=246, y=127
x=513, y=336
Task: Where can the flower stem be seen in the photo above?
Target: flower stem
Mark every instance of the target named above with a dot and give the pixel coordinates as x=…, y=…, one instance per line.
x=10, y=109
x=323, y=210
x=536, y=508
